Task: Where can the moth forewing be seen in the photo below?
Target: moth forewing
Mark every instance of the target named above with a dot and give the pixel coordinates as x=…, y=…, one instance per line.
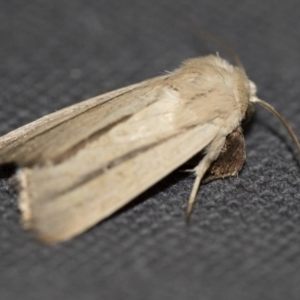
x=80, y=165
x=62, y=212
x=58, y=132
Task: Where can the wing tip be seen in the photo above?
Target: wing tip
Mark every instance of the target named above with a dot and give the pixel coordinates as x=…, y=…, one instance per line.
x=20, y=181
x=25, y=203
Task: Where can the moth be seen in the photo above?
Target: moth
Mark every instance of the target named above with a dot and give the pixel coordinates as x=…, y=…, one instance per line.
x=81, y=164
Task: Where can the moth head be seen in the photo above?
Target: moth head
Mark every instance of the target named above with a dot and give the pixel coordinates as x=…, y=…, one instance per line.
x=250, y=108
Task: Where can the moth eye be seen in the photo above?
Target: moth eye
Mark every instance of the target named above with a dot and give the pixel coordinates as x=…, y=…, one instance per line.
x=249, y=114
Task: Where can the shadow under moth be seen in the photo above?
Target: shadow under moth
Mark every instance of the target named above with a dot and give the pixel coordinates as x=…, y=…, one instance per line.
x=79, y=165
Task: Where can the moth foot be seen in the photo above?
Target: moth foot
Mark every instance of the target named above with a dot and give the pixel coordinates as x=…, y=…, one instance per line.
x=189, y=170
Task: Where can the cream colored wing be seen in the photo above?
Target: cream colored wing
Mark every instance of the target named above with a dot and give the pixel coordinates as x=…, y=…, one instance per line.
x=64, y=196
x=59, y=203
x=58, y=132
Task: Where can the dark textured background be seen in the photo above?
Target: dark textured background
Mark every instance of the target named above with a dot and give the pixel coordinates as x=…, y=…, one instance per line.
x=244, y=240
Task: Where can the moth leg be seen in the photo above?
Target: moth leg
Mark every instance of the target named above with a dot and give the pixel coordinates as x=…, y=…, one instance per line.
x=227, y=162
x=212, y=152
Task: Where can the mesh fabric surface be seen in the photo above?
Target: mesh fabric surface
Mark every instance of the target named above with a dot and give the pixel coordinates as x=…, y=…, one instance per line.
x=244, y=237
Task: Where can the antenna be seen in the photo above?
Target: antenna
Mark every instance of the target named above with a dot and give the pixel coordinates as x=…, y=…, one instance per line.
x=272, y=110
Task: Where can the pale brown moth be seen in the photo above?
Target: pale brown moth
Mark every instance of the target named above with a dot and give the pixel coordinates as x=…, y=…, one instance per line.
x=79, y=165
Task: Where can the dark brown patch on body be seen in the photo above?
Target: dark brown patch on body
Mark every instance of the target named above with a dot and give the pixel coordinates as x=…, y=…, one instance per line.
x=231, y=158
